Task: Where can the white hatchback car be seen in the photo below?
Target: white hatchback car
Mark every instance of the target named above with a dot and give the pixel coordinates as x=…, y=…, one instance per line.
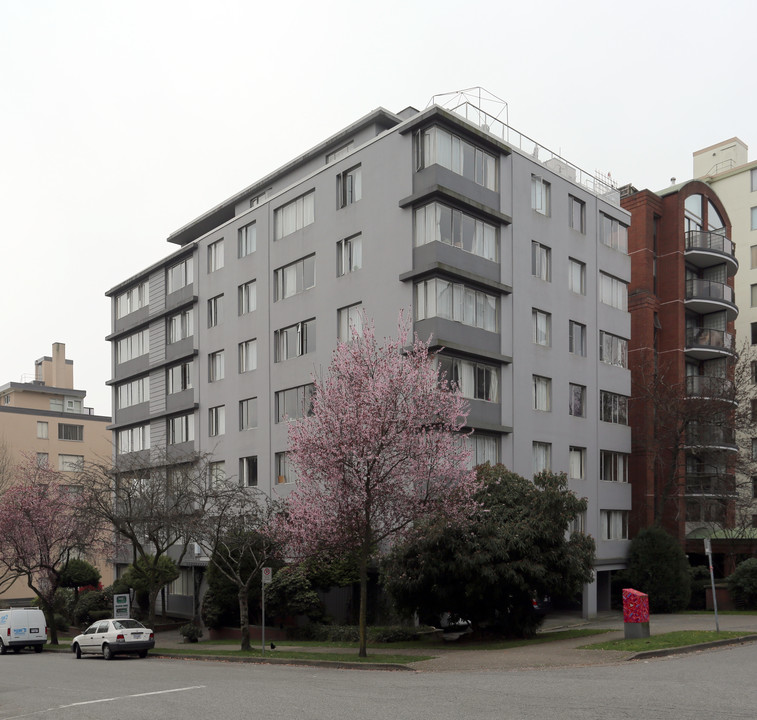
x=114, y=637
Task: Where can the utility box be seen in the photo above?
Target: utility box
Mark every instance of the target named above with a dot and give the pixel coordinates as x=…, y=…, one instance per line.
x=635, y=614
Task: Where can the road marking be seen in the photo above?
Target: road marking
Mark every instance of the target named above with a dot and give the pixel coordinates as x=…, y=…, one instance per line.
x=124, y=697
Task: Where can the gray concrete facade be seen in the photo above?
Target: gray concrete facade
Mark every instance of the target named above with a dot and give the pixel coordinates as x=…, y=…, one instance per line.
x=398, y=176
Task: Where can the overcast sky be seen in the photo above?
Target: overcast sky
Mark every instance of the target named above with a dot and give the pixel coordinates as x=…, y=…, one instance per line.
x=120, y=122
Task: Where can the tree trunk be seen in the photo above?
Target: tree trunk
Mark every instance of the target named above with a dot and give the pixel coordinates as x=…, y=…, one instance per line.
x=50, y=618
x=153, y=598
x=363, y=603
x=244, y=618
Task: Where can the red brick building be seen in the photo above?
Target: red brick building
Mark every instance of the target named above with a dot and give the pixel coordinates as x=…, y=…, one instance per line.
x=682, y=353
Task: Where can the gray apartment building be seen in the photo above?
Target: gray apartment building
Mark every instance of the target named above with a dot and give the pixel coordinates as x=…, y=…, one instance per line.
x=512, y=258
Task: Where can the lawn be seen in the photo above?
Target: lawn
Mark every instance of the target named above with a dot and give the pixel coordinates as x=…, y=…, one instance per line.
x=681, y=638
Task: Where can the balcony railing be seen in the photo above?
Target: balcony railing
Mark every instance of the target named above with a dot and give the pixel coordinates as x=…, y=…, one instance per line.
x=708, y=289
x=709, y=387
x=709, y=240
x=710, y=435
x=709, y=484
x=709, y=338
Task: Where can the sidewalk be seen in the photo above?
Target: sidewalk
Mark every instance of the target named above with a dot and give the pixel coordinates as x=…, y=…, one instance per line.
x=561, y=653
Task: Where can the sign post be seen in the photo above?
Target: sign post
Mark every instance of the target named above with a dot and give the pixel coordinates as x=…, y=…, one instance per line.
x=121, y=606
x=266, y=576
x=708, y=550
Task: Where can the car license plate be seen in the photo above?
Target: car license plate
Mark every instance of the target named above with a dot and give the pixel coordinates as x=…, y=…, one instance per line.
x=33, y=630
x=136, y=635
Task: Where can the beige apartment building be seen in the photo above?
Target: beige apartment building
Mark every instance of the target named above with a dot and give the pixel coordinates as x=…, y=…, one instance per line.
x=44, y=417
x=725, y=166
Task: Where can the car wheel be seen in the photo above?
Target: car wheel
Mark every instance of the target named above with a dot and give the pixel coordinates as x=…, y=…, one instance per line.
x=143, y=653
x=77, y=651
x=37, y=648
x=107, y=652
x=3, y=649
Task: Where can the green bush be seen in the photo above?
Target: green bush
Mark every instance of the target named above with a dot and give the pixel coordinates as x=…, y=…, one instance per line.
x=61, y=622
x=658, y=567
x=700, y=581
x=191, y=631
x=91, y=606
x=349, y=633
x=742, y=584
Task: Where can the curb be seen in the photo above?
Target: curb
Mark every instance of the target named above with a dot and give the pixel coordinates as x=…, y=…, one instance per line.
x=645, y=654
x=334, y=664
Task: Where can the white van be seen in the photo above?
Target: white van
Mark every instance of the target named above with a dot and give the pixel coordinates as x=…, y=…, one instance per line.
x=22, y=627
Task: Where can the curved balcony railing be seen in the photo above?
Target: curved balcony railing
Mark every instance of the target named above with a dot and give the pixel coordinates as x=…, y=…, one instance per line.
x=708, y=290
x=709, y=338
x=703, y=435
x=709, y=240
x=710, y=484
x=707, y=386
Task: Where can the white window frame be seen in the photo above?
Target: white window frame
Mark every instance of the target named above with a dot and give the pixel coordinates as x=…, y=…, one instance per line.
x=294, y=278
x=613, y=466
x=248, y=471
x=576, y=338
x=294, y=215
x=179, y=377
x=576, y=205
x=436, y=222
x=215, y=256
x=576, y=462
x=541, y=327
x=541, y=393
x=179, y=275
x=70, y=463
x=215, y=311
x=613, y=291
x=613, y=349
x=216, y=371
x=181, y=429
x=303, y=335
x=248, y=414
x=576, y=400
x=349, y=255
x=348, y=319
x=43, y=430
x=541, y=261
x=577, y=276
x=613, y=407
x=248, y=355
x=247, y=239
x=133, y=299
x=542, y=457
x=540, y=195
x=133, y=392
x=217, y=421
x=132, y=346
x=180, y=326
x=248, y=297
x=613, y=524
x=349, y=186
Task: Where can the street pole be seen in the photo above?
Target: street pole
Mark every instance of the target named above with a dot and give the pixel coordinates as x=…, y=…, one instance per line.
x=708, y=550
x=262, y=627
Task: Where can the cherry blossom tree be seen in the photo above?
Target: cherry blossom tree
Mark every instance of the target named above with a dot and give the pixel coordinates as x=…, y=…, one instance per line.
x=381, y=449
x=41, y=529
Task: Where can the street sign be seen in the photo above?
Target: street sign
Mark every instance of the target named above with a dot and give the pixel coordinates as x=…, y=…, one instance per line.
x=121, y=606
x=267, y=575
x=707, y=546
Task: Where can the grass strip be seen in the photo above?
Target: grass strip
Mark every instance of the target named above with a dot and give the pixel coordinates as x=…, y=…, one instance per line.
x=383, y=658
x=681, y=638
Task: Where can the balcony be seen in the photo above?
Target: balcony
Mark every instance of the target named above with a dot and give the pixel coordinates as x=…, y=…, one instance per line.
x=721, y=485
x=709, y=387
x=708, y=343
x=703, y=435
x=706, y=249
x=708, y=296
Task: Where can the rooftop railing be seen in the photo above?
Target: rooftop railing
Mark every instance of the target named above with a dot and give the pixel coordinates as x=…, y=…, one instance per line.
x=709, y=240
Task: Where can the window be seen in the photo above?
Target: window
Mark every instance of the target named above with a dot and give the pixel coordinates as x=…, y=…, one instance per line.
x=613, y=466
x=542, y=393
x=476, y=381
x=132, y=346
x=577, y=214
x=43, y=459
x=753, y=175
x=349, y=255
x=484, y=448
x=614, y=233
x=753, y=415
x=294, y=278
x=577, y=400
x=753, y=256
x=215, y=366
x=613, y=350
x=179, y=377
x=614, y=524
x=133, y=299
x=180, y=326
x=248, y=356
x=753, y=328
x=294, y=215
x=42, y=430
x=753, y=212
x=248, y=297
x=217, y=420
x=73, y=406
x=754, y=487
x=578, y=524
x=753, y=369
x=613, y=292
x=181, y=429
x=454, y=301
x=541, y=261
x=70, y=463
x=216, y=472
x=542, y=457
x=284, y=470
x=295, y=340
x=133, y=393
x=56, y=405
x=542, y=327
x=754, y=448
x=613, y=408
x=247, y=240
x=179, y=275
x=70, y=432
x=540, y=189
x=576, y=338
x=577, y=463
x=294, y=403
x=133, y=439
x=215, y=256
x=349, y=187
x=215, y=311
x=437, y=146
x=248, y=413
x=753, y=295
x=339, y=153
x=259, y=198
x=577, y=276
x=439, y=223
x=349, y=320
x=248, y=471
